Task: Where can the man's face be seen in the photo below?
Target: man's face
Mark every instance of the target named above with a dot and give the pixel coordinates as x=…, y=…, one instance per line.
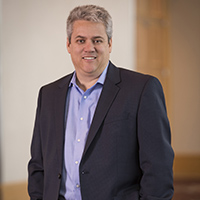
x=89, y=48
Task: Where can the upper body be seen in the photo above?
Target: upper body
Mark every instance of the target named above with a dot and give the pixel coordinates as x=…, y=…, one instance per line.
x=127, y=153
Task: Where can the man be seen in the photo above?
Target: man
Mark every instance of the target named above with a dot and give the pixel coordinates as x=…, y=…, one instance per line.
x=101, y=133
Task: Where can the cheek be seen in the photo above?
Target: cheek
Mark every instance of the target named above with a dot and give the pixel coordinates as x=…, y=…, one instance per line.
x=73, y=50
x=76, y=56
x=103, y=50
x=107, y=52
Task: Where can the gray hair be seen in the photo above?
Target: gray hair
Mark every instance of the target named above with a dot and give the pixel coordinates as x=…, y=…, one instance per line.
x=91, y=13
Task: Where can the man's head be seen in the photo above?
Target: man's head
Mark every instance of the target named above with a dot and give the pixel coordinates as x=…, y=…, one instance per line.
x=89, y=41
x=90, y=13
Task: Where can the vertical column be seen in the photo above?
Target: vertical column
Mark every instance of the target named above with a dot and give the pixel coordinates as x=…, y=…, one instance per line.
x=153, y=41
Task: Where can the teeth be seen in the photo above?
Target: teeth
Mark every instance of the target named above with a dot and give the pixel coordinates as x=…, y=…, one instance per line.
x=89, y=58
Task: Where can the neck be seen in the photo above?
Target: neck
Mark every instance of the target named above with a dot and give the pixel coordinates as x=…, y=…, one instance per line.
x=86, y=83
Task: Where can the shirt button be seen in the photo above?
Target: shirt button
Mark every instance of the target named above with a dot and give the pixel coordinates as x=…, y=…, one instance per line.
x=85, y=97
x=78, y=140
x=77, y=186
x=81, y=118
x=76, y=162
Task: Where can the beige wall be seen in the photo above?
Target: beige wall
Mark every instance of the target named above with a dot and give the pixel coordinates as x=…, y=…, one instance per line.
x=185, y=62
x=33, y=53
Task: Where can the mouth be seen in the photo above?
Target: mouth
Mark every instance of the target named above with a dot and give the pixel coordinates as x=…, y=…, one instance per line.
x=89, y=58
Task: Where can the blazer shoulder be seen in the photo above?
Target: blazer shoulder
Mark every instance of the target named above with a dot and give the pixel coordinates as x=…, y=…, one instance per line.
x=134, y=78
x=119, y=74
x=133, y=75
x=130, y=78
x=59, y=83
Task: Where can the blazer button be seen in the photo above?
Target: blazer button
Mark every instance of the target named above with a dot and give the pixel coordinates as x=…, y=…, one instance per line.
x=83, y=172
x=59, y=176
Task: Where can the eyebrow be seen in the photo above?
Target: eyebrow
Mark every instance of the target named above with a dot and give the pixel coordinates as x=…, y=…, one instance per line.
x=79, y=36
x=98, y=37
x=95, y=37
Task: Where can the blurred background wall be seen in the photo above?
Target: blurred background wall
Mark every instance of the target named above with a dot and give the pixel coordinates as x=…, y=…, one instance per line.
x=185, y=64
x=159, y=37
x=168, y=46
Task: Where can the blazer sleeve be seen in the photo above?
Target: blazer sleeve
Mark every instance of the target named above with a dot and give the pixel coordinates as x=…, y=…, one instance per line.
x=155, y=151
x=35, y=165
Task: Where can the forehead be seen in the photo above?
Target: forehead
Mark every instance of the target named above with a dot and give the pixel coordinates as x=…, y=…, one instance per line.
x=87, y=28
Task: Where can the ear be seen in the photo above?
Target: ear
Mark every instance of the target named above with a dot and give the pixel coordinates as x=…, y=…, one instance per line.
x=110, y=45
x=68, y=45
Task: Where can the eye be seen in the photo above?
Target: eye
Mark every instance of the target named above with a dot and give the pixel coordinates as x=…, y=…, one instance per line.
x=97, y=41
x=80, y=41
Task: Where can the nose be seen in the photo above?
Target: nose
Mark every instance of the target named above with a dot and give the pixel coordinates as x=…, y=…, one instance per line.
x=89, y=46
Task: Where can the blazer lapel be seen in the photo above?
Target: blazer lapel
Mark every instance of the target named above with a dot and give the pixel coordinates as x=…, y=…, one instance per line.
x=106, y=99
x=60, y=104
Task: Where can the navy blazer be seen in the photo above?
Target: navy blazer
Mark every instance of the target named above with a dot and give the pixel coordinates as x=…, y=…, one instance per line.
x=127, y=156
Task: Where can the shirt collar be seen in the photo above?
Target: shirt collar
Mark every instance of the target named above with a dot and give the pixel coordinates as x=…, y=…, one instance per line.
x=101, y=79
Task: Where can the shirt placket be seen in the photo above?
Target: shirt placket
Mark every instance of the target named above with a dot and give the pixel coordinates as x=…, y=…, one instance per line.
x=82, y=130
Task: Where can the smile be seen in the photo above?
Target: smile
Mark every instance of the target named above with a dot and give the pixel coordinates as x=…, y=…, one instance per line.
x=89, y=58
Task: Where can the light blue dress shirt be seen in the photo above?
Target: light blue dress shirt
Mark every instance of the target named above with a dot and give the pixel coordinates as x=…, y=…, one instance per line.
x=80, y=108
